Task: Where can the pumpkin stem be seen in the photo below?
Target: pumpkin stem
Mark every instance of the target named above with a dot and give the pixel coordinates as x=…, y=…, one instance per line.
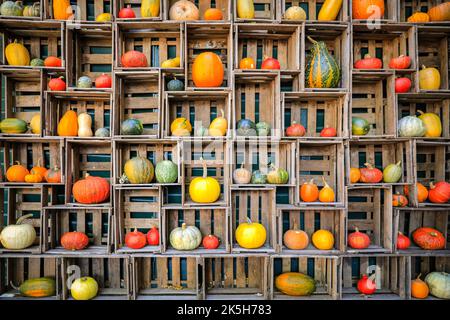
x=205, y=169
x=325, y=183
x=86, y=175
x=295, y=225
x=368, y=165
x=398, y=163
x=13, y=286
x=17, y=162
x=312, y=40
x=420, y=112
x=356, y=229
x=248, y=220
x=423, y=67
x=22, y=218
x=311, y=181
x=418, y=277
x=135, y=230
x=367, y=56
x=222, y=113
x=183, y=226
x=432, y=186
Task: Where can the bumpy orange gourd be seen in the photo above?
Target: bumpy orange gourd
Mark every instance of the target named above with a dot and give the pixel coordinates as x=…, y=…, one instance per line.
x=309, y=191
x=355, y=175
x=91, y=190
x=207, y=70
x=326, y=194
x=16, y=173
x=419, y=288
x=68, y=125
x=363, y=9
x=419, y=17
x=440, y=12
x=61, y=9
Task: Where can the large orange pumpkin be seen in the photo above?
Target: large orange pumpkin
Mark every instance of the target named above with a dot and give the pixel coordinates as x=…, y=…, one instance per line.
x=16, y=173
x=429, y=238
x=440, y=12
x=364, y=9
x=422, y=192
x=91, y=190
x=207, y=70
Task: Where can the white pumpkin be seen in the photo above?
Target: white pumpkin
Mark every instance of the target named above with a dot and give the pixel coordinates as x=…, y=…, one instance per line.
x=242, y=175
x=185, y=238
x=18, y=236
x=411, y=126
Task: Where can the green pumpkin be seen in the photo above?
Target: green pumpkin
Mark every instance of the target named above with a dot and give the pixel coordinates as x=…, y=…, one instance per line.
x=166, y=172
x=36, y=62
x=11, y=8
x=277, y=176
x=38, y=288
x=185, y=237
x=175, y=85
x=263, y=129
x=246, y=128
x=139, y=170
x=322, y=70
x=392, y=173
x=13, y=125
x=132, y=127
x=84, y=82
x=411, y=126
x=102, y=133
x=439, y=284
x=360, y=126
x=258, y=177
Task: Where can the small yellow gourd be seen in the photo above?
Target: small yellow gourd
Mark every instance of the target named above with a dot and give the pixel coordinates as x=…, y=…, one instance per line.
x=84, y=125
x=429, y=79
x=218, y=126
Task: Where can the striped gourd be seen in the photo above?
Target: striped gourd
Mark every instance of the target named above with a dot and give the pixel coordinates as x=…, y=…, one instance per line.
x=322, y=70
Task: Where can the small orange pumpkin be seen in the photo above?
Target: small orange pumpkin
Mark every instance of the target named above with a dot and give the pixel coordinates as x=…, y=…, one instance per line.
x=213, y=14
x=207, y=70
x=295, y=239
x=327, y=193
x=419, y=288
x=53, y=175
x=16, y=173
x=399, y=200
x=422, y=192
x=33, y=178
x=38, y=169
x=309, y=191
x=419, y=17
x=247, y=63
x=355, y=175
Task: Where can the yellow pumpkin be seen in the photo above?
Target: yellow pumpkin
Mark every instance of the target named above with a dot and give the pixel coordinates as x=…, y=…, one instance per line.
x=181, y=127
x=35, y=124
x=104, y=17
x=432, y=124
x=218, y=126
x=245, y=9
x=68, y=125
x=62, y=9
x=204, y=189
x=251, y=235
x=171, y=63
x=17, y=55
x=419, y=17
x=33, y=178
x=429, y=79
x=149, y=8
x=323, y=240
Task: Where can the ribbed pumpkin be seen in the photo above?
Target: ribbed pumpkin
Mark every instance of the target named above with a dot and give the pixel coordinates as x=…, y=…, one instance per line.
x=295, y=284
x=166, y=172
x=432, y=122
x=218, y=126
x=295, y=239
x=429, y=79
x=16, y=173
x=439, y=192
x=392, y=173
x=68, y=125
x=370, y=174
x=429, y=238
x=411, y=126
x=322, y=70
x=139, y=170
x=441, y=12
x=149, y=8
x=62, y=9
x=419, y=17
x=204, y=189
x=185, y=237
x=439, y=284
x=91, y=190
x=17, y=55
x=38, y=288
x=242, y=175
x=277, y=175
x=74, y=240
x=207, y=70
x=18, y=236
x=364, y=9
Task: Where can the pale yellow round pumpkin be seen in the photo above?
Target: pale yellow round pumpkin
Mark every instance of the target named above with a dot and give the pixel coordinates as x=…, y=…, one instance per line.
x=204, y=189
x=432, y=124
x=251, y=235
x=429, y=79
x=323, y=240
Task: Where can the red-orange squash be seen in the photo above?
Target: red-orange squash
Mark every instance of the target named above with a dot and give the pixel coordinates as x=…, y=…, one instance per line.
x=358, y=240
x=207, y=70
x=419, y=17
x=16, y=173
x=429, y=238
x=134, y=59
x=422, y=192
x=365, y=9
x=439, y=192
x=309, y=192
x=370, y=174
x=74, y=240
x=440, y=12
x=91, y=190
x=399, y=200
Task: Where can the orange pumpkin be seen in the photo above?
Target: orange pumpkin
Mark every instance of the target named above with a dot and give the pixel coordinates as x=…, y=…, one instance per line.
x=355, y=175
x=207, y=70
x=327, y=193
x=370, y=174
x=16, y=173
x=399, y=200
x=62, y=9
x=38, y=169
x=54, y=62
x=53, y=175
x=213, y=14
x=91, y=190
x=363, y=9
x=247, y=63
x=419, y=17
x=440, y=12
x=419, y=288
x=422, y=192
x=33, y=178
x=309, y=192
x=295, y=239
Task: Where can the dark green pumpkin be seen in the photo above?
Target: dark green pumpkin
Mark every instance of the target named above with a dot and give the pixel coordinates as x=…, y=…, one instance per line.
x=38, y=288
x=322, y=70
x=175, y=85
x=246, y=128
x=258, y=177
x=36, y=62
x=132, y=127
x=13, y=125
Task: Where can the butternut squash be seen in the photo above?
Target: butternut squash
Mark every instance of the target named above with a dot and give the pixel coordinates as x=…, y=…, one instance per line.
x=84, y=125
x=62, y=9
x=149, y=8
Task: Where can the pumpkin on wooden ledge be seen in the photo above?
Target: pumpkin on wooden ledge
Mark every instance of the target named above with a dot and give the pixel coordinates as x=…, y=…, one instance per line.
x=439, y=284
x=207, y=70
x=295, y=284
x=18, y=236
x=251, y=235
x=74, y=240
x=91, y=190
x=185, y=237
x=37, y=287
x=429, y=238
x=204, y=189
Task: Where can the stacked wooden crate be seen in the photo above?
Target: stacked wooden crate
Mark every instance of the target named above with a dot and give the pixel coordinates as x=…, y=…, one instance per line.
x=276, y=97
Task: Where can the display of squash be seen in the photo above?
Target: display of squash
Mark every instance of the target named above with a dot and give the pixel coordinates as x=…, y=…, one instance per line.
x=277, y=175
x=13, y=125
x=393, y=173
x=429, y=79
x=432, y=122
x=139, y=170
x=18, y=236
x=251, y=235
x=17, y=55
x=429, y=238
x=68, y=125
x=11, y=8
x=368, y=9
x=295, y=284
x=204, y=189
x=91, y=190
x=439, y=284
x=150, y=8
x=37, y=288
x=411, y=126
x=245, y=9
x=62, y=9
x=322, y=69
x=166, y=172
x=207, y=70
x=441, y=12
x=85, y=288
x=330, y=10
x=185, y=237
x=218, y=126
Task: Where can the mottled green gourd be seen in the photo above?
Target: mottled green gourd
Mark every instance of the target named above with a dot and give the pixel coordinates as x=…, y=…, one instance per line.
x=37, y=62
x=11, y=8
x=166, y=172
x=132, y=127
x=102, y=132
x=175, y=85
x=258, y=177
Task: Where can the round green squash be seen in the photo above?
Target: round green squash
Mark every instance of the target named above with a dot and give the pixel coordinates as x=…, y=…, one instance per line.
x=84, y=82
x=13, y=125
x=392, y=173
x=295, y=284
x=38, y=288
x=258, y=177
x=37, y=62
x=132, y=127
x=139, y=170
x=246, y=127
x=166, y=172
x=322, y=69
x=263, y=129
x=411, y=126
x=11, y=8
x=102, y=132
x=360, y=126
x=175, y=85
x=439, y=284
x=277, y=176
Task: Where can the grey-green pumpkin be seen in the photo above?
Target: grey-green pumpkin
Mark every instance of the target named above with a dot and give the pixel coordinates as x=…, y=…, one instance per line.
x=166, y=172
x=84, y=82
x=263, y=129
x=411, y=126
x=102, y=132
x=175, y=85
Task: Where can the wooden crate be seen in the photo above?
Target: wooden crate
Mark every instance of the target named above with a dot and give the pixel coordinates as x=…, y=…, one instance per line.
x=324, y=270
x=215, y=154
x=96, y=104
x=19, y=268
x=47, y=153
x=209, y=220
x=258, y=205
x=373, y=99
x=154, y=150
x=87, y=157
x=136, y=6
x=391, y=277
x=159, y=41
x=432, y=164
x=20, y=201
x=42, y=39
x=312, y=9
x=112, y=273
x=25, y=3
x=281, y=42
x=265, y=11
x=315, y=111
x=236, y=277
x=433, y=51
x=137, y=97
x=423, y=266
x=257, y=98
x=136, y=208
x=83, y=11
x=317, y=159
x=380, y=154
x=172, y=277
x=90, y=50
x=310, y=221
x=385, y=43
x=211, y=37
x=408, y=220
x=259, y=155
x=337, y=40
x=290, y=81
x=411, y=104
x=390, y=14
x=199, y=107
x=370, y=210
x=96, y=223
x=408, y=7
x=223, y=5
